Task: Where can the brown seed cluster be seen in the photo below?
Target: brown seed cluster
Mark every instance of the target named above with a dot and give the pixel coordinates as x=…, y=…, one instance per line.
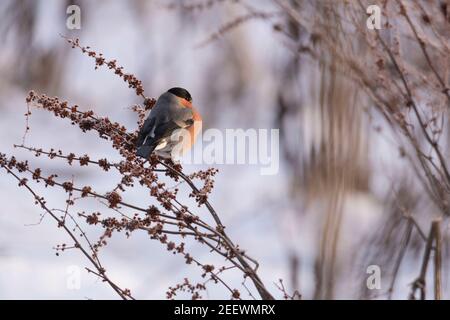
x=132, y=81
x=186, y=286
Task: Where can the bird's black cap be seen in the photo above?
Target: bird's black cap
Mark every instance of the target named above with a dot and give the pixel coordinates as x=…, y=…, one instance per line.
x=181, y=92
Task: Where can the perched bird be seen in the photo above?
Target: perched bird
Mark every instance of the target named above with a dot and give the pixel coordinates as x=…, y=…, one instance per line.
x=171, y=127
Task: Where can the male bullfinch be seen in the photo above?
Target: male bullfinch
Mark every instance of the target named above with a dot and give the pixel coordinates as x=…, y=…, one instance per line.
x=171, y=127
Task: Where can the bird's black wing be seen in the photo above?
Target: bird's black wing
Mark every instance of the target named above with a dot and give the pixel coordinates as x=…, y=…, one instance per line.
x=151, y=141
x=145, y=130
x=164, y=130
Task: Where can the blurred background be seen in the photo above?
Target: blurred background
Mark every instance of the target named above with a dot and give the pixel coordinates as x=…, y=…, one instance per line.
x=335, y=207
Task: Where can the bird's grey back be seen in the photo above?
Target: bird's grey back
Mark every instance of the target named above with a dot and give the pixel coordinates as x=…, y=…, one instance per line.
x=168, y=108
x=164, y=107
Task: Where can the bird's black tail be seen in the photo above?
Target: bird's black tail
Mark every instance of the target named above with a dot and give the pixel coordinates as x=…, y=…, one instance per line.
x=145, y=151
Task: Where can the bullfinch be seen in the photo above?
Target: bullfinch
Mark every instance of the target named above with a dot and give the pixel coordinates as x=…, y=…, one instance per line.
x=171, y=127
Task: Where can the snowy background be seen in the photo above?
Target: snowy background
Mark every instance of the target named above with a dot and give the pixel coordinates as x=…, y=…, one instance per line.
x=234, y=81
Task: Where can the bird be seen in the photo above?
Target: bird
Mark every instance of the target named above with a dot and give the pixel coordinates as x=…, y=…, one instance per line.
x=171, y=128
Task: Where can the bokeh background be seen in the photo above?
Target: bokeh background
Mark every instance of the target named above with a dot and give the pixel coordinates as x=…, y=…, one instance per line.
x=329, y=213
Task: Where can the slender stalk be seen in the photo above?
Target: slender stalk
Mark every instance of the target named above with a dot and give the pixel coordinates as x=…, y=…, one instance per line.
x=437, y=260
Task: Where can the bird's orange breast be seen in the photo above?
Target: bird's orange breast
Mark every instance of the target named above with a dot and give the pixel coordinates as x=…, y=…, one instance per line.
x=194, y=129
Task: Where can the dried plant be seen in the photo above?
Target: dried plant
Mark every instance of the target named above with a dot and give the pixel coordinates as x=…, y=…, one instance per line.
x=401, y=72
x=163, y=217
